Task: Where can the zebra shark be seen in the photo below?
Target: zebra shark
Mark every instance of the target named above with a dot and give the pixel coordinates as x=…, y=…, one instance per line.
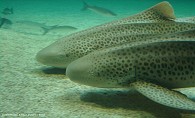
x=152, y=67
x=157, y=20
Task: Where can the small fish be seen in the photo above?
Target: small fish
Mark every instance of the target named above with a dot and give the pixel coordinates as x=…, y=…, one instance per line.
x=26, y=26
x=4, y=21
x=57, y=28
x=100, y=10
x=7, y=11
x=44, y=27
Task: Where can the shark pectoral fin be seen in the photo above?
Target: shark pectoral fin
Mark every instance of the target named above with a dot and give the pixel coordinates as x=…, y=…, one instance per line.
x=161, y=12
x=164, y=96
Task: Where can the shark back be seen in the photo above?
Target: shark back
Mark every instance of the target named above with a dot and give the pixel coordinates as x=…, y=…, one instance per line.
x=161, y=12
x=156, y=20
x=62, y=52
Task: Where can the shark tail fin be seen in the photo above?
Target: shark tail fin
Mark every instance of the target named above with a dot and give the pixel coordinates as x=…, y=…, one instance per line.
x=85, y=5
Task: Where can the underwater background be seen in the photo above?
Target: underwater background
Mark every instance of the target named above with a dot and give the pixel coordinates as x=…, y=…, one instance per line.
x=30, y=89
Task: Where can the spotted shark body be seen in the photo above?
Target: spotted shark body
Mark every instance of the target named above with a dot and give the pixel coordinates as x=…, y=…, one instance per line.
x=151, y=67
x=152, y=52
x=139, y=58
x=157, y=20
x=160, y=62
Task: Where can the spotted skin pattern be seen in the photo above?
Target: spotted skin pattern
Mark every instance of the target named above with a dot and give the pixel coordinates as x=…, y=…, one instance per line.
x=76, y=47
x=166, y=64
x=154, y=21
x=166, y=97
x=159, y=55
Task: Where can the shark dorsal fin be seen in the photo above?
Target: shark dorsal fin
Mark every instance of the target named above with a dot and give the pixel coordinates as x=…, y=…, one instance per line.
x=164, y=9
x=158, y=13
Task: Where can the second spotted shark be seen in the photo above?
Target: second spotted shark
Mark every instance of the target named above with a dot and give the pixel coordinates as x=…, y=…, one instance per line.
x=152, y=67
x=157, y=20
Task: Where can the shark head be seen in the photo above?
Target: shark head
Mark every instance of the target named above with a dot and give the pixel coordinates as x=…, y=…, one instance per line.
x=53, y=55
x=82, y=73
x=92, y=70
x=85, y=73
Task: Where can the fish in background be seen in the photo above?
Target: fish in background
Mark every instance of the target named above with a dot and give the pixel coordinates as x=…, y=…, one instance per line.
x=99, y=10
x=36, y=25
x=57, y=28
x=8, y=11
x=5, y=21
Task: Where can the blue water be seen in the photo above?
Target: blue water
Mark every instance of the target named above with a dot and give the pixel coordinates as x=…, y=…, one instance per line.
x=73, y=6
x=70, y=10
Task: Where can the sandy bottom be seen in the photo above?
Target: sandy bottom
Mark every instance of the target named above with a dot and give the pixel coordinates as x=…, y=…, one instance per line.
x=30, y=89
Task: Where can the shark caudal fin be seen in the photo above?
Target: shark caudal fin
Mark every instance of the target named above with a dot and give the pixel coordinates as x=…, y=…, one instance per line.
x=164, y=96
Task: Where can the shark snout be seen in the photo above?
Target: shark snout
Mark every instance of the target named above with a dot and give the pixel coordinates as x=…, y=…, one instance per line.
x=52, y=57
x=83, y=71
x=78, y=71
